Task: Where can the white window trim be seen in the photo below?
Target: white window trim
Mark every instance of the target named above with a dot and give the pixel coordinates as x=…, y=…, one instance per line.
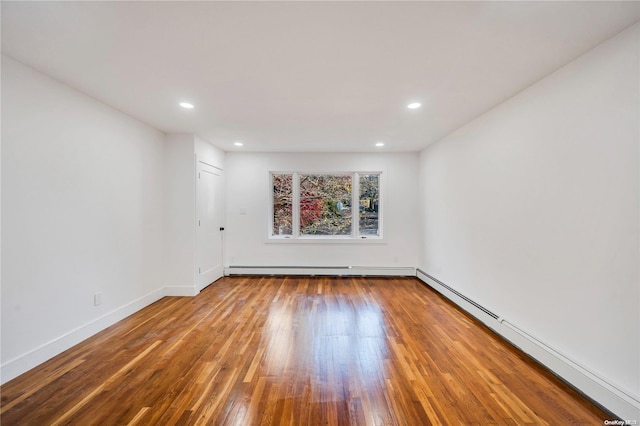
x=354, y=238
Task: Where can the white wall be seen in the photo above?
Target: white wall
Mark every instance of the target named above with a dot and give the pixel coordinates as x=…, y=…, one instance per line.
x=248, y=190
x=532, y=210
x=93, y=202
x=208, y=153
x=82, y=202
x=179, y=206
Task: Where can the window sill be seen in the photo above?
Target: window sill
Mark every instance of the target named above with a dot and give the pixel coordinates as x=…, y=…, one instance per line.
x=321, y=240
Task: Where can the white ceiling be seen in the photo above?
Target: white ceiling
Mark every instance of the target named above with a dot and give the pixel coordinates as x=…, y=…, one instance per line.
x=306, y=76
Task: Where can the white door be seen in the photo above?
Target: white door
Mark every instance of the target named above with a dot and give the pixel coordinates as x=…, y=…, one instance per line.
x=209, y=224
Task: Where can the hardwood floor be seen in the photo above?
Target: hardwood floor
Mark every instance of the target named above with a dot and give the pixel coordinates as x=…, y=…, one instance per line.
x=295, y=351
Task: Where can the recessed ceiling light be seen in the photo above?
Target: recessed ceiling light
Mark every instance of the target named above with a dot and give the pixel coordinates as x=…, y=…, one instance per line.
x=238, y=143
x=380, y=144
x=414, y=105
x=186, y=105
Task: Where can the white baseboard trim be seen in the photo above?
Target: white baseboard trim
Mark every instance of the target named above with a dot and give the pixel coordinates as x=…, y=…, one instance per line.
x=186, y=290
x=384, y=271
x=620, y=402
x=23, y=363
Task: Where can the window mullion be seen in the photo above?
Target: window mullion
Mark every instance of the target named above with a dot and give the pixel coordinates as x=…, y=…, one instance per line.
x=355, y=205
x=295, y=200
x=271, y=206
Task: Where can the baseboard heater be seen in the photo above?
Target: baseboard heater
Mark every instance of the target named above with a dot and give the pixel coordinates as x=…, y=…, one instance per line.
x=382, y=271
x=602, y=392
x=460, y=295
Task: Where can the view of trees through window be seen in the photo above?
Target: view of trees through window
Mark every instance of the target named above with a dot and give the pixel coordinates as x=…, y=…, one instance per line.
x=282, y=204
x=369, y=203
x=323, y=204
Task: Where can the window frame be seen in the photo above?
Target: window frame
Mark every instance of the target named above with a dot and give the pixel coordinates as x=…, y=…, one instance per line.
x=353, y=237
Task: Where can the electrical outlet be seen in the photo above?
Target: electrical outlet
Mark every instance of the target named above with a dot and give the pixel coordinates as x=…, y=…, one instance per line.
x=97, y=299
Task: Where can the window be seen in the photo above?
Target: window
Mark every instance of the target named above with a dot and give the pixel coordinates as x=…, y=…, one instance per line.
x=282, y=204
x=325, y=205
x=369, y=204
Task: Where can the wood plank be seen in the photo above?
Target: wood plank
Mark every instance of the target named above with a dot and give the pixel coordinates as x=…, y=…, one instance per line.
x=296, y=351
x=92, y=394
